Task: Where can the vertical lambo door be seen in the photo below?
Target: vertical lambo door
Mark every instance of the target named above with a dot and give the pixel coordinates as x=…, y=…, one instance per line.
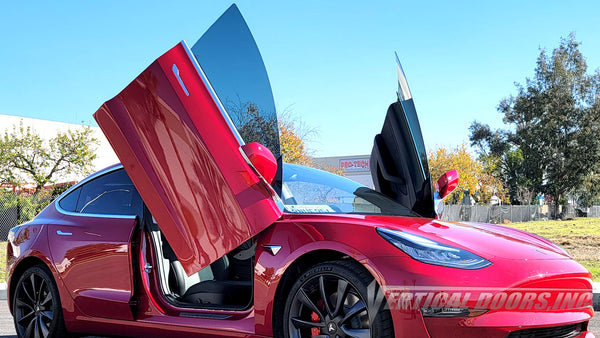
x=399, y=161
x=179, y=145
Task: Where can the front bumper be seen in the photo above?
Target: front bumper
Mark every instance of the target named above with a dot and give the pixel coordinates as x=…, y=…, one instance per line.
x=550, y=298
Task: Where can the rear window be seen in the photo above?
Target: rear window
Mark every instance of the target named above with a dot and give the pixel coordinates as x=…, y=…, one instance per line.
x=69, y=202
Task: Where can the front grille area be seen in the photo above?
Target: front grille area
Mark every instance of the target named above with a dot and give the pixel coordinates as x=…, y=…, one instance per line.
x=564, y=331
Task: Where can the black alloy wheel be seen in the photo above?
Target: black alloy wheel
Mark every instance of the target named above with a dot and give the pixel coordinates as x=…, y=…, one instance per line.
x=36, y=305
x=332, y=300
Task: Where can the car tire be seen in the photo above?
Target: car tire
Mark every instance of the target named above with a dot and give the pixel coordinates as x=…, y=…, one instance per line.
x=314, y=307
x=37, y=310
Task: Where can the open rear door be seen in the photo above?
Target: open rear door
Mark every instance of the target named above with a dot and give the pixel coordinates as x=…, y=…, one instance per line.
x=180, y=149
x=399, y=161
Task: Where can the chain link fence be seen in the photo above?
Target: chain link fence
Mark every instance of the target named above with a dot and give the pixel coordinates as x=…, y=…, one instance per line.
x=17, y=209
x=500, y=214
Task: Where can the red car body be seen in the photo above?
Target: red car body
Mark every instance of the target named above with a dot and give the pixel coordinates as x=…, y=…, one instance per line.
x=182, y=154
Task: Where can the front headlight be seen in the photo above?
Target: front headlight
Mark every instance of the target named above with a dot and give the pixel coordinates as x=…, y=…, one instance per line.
x=432, y=252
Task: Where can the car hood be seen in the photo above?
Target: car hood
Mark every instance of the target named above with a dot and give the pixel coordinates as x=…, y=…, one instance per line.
x=486, y=240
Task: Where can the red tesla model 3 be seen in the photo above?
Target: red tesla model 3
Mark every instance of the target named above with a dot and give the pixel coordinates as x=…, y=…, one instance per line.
x=202, y=231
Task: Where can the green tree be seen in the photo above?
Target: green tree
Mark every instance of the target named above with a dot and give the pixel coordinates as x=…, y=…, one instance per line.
x=472, y=175
x=293, y=147
x=504, y=161
x=285, y=137
x=551, y=145
x=590, y=192
x=256, y=126
x=26, y=157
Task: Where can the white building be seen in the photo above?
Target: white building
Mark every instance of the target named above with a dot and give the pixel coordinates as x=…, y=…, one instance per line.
x=48, y=129
x=355, y=167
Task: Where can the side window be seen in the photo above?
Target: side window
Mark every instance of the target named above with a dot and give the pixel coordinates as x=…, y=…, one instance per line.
x=110, y=194
x=69, y=202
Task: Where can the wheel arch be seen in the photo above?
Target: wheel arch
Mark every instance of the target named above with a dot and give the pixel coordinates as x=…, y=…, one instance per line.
x=300, y=265
x=18, y=271
x=302, y=244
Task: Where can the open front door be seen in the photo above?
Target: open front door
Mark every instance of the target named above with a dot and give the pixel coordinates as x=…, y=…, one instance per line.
x=183, y=155
x=399, y=161
x=235, y=69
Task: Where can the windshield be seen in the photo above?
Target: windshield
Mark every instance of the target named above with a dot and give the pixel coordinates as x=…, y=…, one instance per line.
x=311, y=191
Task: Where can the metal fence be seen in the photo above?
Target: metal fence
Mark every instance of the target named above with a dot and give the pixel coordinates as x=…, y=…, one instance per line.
x=514, y=213
x=17, y=209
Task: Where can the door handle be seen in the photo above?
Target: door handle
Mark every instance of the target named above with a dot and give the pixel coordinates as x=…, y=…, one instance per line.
x=59, y=232
x=148, y=267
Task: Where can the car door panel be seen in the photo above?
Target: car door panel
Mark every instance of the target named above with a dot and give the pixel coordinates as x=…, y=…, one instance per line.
x=176, y=143
x=92, y=255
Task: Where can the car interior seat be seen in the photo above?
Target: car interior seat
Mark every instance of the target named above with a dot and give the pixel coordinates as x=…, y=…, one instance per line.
x=219, y=284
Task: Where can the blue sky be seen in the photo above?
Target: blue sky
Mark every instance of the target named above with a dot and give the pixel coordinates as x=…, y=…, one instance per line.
x=331, y=63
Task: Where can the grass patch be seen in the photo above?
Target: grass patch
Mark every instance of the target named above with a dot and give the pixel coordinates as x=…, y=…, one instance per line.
x=594, y=267
x=3, y=275
x=580, y=237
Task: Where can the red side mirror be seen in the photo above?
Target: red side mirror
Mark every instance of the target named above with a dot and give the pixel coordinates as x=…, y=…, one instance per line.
x=262, y=159
x=447, y=183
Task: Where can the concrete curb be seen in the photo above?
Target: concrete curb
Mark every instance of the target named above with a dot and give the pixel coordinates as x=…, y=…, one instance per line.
x=595, y=290
x=2, y=291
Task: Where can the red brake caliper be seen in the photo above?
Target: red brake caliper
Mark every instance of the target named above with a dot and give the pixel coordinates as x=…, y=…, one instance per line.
x=315, y=331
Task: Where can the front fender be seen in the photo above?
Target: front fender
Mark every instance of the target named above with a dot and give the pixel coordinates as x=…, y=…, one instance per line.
x=298, y=239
